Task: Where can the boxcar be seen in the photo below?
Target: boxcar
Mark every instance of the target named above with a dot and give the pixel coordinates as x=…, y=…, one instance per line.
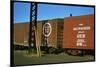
x=78, y=36
x=74, y=34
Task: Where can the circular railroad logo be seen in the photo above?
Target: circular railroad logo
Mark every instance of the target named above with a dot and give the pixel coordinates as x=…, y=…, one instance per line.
x=47, y=29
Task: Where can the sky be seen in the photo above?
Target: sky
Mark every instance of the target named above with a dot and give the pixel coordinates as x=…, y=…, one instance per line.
x=48, y=11
x=21, y=12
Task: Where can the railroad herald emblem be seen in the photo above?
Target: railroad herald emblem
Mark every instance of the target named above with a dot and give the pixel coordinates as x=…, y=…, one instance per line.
x=47, y=29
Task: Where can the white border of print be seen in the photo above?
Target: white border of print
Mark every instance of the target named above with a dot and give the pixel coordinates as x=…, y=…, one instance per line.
x=87, y=2
x=5, y=34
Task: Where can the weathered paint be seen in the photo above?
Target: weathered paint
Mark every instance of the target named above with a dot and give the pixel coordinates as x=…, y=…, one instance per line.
x=79, y=28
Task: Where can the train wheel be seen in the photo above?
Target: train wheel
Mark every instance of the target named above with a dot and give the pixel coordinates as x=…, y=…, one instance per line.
x=51, y=50
x=75, y=52
x=69, y=52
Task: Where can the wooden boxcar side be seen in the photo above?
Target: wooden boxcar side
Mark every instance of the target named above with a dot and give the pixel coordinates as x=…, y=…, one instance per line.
x=79, y=32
